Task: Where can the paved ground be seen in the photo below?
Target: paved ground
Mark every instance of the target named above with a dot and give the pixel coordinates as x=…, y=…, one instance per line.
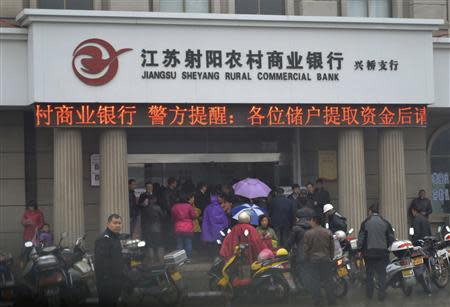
x=355, y=298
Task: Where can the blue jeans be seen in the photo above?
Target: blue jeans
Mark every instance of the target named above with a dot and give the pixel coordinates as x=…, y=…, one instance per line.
x=184, y=241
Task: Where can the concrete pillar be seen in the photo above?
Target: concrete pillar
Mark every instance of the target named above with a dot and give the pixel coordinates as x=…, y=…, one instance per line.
x=392, y=179
x=68, y=205
x=290, y=7
x=231, y=7
x=114, y=176
x=352, y=176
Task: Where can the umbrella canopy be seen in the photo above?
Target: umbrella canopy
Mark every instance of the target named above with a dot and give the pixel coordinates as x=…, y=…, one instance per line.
x=254, y=211
x=251, y=188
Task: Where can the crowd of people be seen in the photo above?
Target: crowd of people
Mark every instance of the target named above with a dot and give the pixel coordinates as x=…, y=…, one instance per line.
x=303, y=222
x=191, y=218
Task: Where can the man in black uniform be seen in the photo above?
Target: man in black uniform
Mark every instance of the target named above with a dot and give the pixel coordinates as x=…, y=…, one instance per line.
x=108, y=263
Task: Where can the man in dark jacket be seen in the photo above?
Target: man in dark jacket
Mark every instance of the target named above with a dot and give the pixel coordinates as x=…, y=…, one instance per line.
x=109, y=264
x=152, y=218
x=334, y=219
x=169, y=195
x=422, y=204
x=169, y=198
x=319, y=253
x=295, y=244
x=202, y=197
x=295, y=195
x=421, y=226
x=375, y=237
x=132, y=204
x=281, y=215
x=321, y=198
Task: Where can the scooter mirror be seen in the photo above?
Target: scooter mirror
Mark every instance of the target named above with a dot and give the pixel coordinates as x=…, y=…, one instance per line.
x=411, y=231
x=28, y=244
x=351, y=231
x=246, y=233
x=141, y=244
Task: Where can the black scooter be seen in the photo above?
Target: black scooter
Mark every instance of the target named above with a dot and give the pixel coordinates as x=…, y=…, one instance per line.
x=162, y=282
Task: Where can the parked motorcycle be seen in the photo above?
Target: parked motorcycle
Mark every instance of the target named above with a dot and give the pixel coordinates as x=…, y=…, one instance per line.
x=354, y=260
x=421, y=270
x=45, y=274
x=80, y=266
x=400, y=272
x=341, y=278
x=163, y=282
x=444, y=246
x=9, y=290
x=437, y=265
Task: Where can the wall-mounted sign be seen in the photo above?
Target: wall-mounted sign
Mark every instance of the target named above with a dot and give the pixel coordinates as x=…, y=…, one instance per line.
x=328, y=164
x=95, y=170
x=164, y=115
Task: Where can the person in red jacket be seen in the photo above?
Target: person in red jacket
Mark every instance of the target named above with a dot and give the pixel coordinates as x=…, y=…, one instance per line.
x=183, y=215
x=237, y=236
x=32, y=221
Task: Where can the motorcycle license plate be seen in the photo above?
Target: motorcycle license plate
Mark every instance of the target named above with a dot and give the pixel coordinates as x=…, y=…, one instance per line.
x=418, y=260
x=176, y=276
x=408, y=273
x=342, y=272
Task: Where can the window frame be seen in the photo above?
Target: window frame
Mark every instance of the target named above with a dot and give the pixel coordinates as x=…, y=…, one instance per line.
x=65, y=6
x=259, y=8
x=344, y=7
x=184, y=7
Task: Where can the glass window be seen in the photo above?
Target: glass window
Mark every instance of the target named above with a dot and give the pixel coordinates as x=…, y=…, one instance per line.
x=440, y=172
x=271, y=7
x=66, y=4
x=246, y=6
x=357, y=8
x=171, y=6
x=51, y=4
x=369, y=8
x=267, y=7
x=380, y=8
x=188, y=6
x=197, y=6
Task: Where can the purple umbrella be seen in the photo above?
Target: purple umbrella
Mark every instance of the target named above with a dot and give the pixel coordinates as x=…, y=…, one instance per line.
x=251, y=188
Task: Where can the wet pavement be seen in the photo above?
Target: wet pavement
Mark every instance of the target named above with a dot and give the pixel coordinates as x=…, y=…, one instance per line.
x=354, y=298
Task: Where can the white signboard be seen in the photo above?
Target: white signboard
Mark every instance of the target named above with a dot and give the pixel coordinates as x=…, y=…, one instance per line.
x=200, y=63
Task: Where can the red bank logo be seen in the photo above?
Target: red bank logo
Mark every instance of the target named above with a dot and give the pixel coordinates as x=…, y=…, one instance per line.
x=95, y=61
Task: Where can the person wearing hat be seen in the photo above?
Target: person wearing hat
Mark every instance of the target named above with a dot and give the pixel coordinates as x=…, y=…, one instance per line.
x=334, y=221
x=295, y=243
x=237, y=236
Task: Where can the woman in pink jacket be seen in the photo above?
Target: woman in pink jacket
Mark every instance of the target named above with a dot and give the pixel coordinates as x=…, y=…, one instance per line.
x=183, y=215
